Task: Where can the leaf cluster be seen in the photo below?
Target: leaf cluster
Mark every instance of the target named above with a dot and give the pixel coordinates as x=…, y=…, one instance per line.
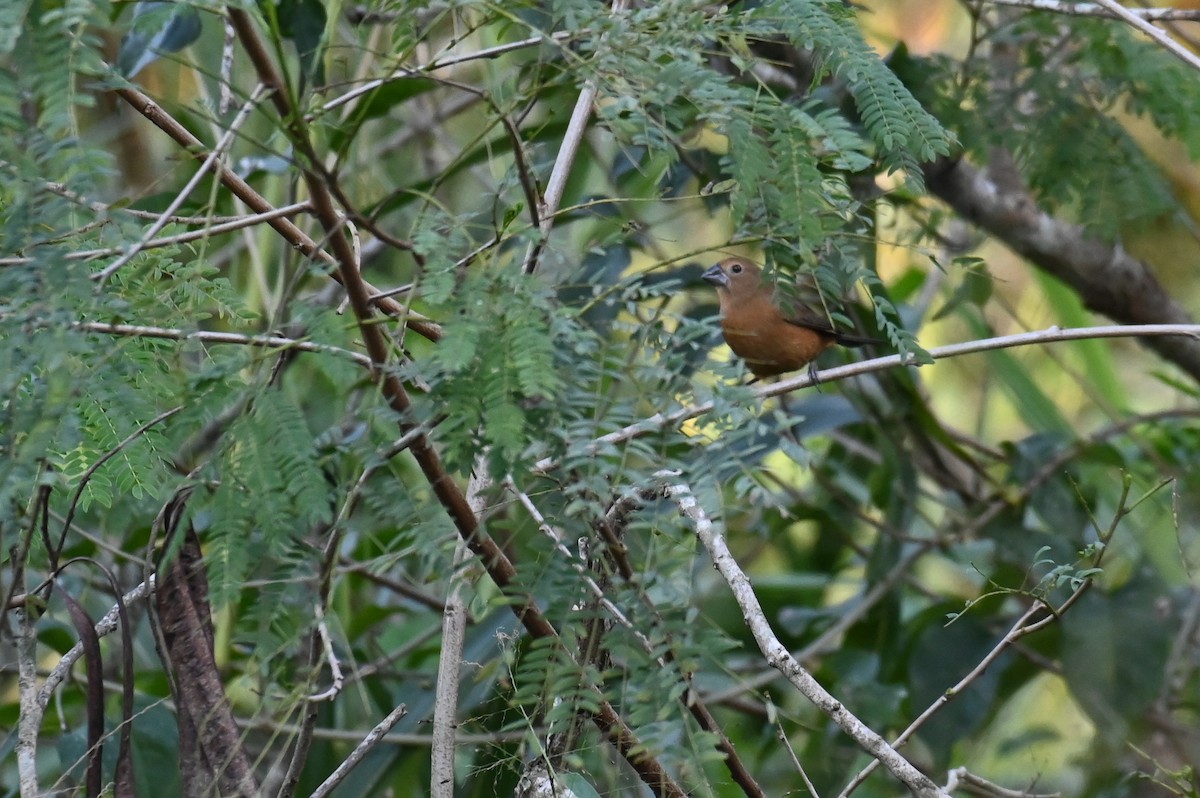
x=867, y=513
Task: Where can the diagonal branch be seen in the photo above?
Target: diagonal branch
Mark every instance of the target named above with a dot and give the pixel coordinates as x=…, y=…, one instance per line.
x=1141, y=23
x=257, y=203
x=557, y=184
x=1106, y=277
x=1073, y=9
x=1028, y=623
x=378, y=346
x=777, y=654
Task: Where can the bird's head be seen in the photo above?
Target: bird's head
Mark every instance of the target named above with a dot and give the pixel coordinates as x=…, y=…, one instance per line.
x=738, y=276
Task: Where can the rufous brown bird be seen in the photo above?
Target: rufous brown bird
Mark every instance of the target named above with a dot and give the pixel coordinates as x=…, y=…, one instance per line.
x=770, y=340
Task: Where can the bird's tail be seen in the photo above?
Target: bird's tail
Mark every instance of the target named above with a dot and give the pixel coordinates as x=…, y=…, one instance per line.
x=845, y=339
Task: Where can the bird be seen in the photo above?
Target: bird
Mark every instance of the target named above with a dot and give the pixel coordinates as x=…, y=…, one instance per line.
x=771, y=341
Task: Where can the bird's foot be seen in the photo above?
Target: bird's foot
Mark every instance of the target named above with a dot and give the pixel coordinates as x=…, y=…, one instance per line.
x=814, y=376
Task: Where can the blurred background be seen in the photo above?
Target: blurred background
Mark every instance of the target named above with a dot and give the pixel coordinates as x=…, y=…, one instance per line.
x=925, y=172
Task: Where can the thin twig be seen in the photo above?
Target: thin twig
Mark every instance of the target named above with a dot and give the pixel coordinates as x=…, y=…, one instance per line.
x=1025, y=625
x=1018, y=630
x=1099, y=10
x=579, y=568
x=216, y=226
x=657, y=421
x=377, y=461
x=791, y=752
x=94, y=467
x=395, y=738
x=211, y=160
x=373, y=738
x=407, y=72
x=335, y=667
x=961, y=778
x=207, y=336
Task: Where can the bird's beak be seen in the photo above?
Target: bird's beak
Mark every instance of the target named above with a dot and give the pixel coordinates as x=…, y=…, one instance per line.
x=717, y=276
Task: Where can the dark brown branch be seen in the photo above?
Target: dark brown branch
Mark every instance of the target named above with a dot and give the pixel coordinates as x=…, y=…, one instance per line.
x=95, y=693
x=1106, y=277
x=256, y=202
x=378, y=347
x=212, y=757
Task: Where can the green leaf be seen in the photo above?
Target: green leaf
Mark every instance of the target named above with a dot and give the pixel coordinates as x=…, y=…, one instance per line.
x=303, y=21
x=157, y=28
x=12, y=18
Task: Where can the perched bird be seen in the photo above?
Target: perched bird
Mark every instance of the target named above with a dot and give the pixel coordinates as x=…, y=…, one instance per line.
x=771, y=341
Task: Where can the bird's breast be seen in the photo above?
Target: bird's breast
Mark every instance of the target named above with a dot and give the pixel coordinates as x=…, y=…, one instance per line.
x=772, y=347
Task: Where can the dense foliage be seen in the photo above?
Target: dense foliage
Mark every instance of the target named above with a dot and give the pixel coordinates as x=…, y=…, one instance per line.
x=203, y=394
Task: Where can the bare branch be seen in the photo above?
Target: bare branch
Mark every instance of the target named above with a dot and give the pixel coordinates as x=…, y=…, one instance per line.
x=29, y=721
x=264, y=341
x=450, y=657
x=373, y=738
x=781, y=734
x=1018, y=630
x=1100, y=10
x=1176, y=49
x=779, y=657
x=450, y=60
x=961, y=778
x=830, y=638
x=211, y=161
x=215, y=226
x=1024, y=625
x=557, y=183
x=335, y=667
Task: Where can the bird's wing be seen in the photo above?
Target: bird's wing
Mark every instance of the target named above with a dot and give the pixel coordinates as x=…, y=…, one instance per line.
x=808, y=319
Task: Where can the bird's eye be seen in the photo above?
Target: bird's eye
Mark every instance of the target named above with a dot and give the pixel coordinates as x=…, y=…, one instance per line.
x=736, y=268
